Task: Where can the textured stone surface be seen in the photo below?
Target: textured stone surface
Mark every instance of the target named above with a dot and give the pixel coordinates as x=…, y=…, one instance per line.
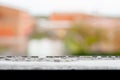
x=62, y=63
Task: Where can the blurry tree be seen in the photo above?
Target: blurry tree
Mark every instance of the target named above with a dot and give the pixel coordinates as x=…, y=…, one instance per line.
x=82, y=36
x=117, y=39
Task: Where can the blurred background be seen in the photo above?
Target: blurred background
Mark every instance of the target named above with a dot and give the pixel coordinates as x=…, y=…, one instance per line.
x=59, y=27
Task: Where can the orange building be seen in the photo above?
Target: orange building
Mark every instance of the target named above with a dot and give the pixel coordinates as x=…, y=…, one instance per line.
x=15, y=28
x=69, y=16
x=112, y=25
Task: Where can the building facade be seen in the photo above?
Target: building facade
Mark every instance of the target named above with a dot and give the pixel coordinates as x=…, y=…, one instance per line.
x=111, y=25
x=15, y=28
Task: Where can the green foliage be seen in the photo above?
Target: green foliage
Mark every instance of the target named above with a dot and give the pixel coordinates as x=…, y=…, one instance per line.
x=81, y=37
x=3, y=48
x=38, y=35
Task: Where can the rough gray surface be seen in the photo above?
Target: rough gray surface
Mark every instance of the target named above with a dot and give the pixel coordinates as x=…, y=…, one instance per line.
x=61, y=63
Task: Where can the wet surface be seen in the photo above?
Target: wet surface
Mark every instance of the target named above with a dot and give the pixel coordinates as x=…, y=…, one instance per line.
x=55, y=63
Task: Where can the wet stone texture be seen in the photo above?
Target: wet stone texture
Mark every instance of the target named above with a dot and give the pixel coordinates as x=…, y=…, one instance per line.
x=59, y=62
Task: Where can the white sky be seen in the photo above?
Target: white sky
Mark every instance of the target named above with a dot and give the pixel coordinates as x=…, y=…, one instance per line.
x=46, y=7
